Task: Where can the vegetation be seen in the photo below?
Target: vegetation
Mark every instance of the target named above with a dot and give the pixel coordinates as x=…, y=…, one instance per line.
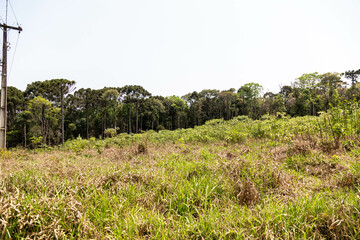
x=54, y=111
x=275, y=177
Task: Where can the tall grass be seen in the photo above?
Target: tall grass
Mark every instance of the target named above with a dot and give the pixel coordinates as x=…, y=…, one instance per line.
x=288, y=178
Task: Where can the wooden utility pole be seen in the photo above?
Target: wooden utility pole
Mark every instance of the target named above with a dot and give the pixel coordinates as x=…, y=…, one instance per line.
x=3, y=105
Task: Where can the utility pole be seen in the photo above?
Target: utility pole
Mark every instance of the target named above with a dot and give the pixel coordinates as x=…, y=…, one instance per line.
x=3, y=105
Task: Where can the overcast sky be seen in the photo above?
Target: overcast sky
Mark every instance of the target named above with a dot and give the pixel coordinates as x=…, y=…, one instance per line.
x=173, y=47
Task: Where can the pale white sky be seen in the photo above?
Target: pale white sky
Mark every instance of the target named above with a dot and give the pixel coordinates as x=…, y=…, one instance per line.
x=173, y=47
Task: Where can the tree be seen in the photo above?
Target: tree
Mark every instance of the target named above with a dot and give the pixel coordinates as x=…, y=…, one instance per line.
x=273, y=103
x=227, y=98
x=134, y=95
x=24, y=118
x=54, y=90
x=352, y=75
x=177, y=111
x=353, y=91
x=61, y=88
x=211, y=108
x=249, y=93
x=329, y=85
x=111, y=98
x=153, y=108
x=85, y=99
x=195, y=104
x=46, y=116
x=15, y=103
x=307, y=85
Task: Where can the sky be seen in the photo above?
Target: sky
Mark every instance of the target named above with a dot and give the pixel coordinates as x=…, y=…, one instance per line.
x=173, y=47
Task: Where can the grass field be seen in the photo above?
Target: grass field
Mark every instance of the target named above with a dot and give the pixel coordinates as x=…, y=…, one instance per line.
x=241, y=179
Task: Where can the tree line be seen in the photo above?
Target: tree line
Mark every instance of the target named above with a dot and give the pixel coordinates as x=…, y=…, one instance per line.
x=53, y=111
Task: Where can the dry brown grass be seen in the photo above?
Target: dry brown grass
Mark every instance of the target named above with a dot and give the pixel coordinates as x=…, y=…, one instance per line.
x=69, y=185
x=246, y=192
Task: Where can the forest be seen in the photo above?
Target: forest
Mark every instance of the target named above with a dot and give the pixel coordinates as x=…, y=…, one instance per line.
x=53, y=111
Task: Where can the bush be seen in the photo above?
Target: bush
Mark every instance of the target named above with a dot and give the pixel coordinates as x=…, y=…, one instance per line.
x=110, y=132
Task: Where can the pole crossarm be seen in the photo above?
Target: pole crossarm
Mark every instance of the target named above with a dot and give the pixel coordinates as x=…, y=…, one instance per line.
x=4, y=26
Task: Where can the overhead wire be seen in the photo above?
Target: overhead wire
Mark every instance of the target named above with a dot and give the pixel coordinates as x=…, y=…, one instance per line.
x=8, y=2
x=12, y=9
x=6, y=13
x=12, y=60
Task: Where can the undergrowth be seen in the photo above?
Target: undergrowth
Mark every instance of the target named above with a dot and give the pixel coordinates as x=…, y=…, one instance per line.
x=288, y=178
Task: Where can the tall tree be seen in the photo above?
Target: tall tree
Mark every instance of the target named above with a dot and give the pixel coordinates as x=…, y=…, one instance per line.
x=210, y=105
x=329, y=85
x=62, y=87
x=46, y=115
x=307, y=85
x=352, y=75
x=134, y=95
x=111, y=98
x=227, y=98
x=85, y=100
x=15, y=104
x=24, y=118
x=153, y=109
x=54, y=90
x=249, y=93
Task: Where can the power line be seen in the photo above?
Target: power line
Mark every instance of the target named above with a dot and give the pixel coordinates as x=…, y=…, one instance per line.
x=6, y=12
x=12, y=9
x=12, y=60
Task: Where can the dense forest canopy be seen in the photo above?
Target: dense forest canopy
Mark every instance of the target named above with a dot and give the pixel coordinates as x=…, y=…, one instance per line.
x=52, y=111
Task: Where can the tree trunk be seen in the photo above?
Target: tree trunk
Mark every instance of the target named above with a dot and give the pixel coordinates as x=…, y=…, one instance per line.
x=115, y=118
x=104, y=122
x=137, y=118
x=141, y=122
x=228, y=111
x=62, y=115
x=25, y=134
x=87, y=122
x=129, y=125
x=43, y=128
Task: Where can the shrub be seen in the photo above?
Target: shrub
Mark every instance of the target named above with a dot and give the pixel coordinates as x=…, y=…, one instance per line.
x=110, y=132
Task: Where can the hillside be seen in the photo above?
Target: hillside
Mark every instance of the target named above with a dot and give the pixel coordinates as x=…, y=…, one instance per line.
x=290, y=178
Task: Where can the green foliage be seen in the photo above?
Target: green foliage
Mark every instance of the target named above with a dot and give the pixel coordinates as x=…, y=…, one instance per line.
x=72, y=127
x=131, y=109
x=36, y=141
x=110, y=132
x=78, y=145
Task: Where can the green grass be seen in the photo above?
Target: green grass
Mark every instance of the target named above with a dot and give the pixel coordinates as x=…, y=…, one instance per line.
x=241, y=179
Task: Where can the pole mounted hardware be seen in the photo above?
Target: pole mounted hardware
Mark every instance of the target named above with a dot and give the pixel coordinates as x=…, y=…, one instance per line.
x=3, y=103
